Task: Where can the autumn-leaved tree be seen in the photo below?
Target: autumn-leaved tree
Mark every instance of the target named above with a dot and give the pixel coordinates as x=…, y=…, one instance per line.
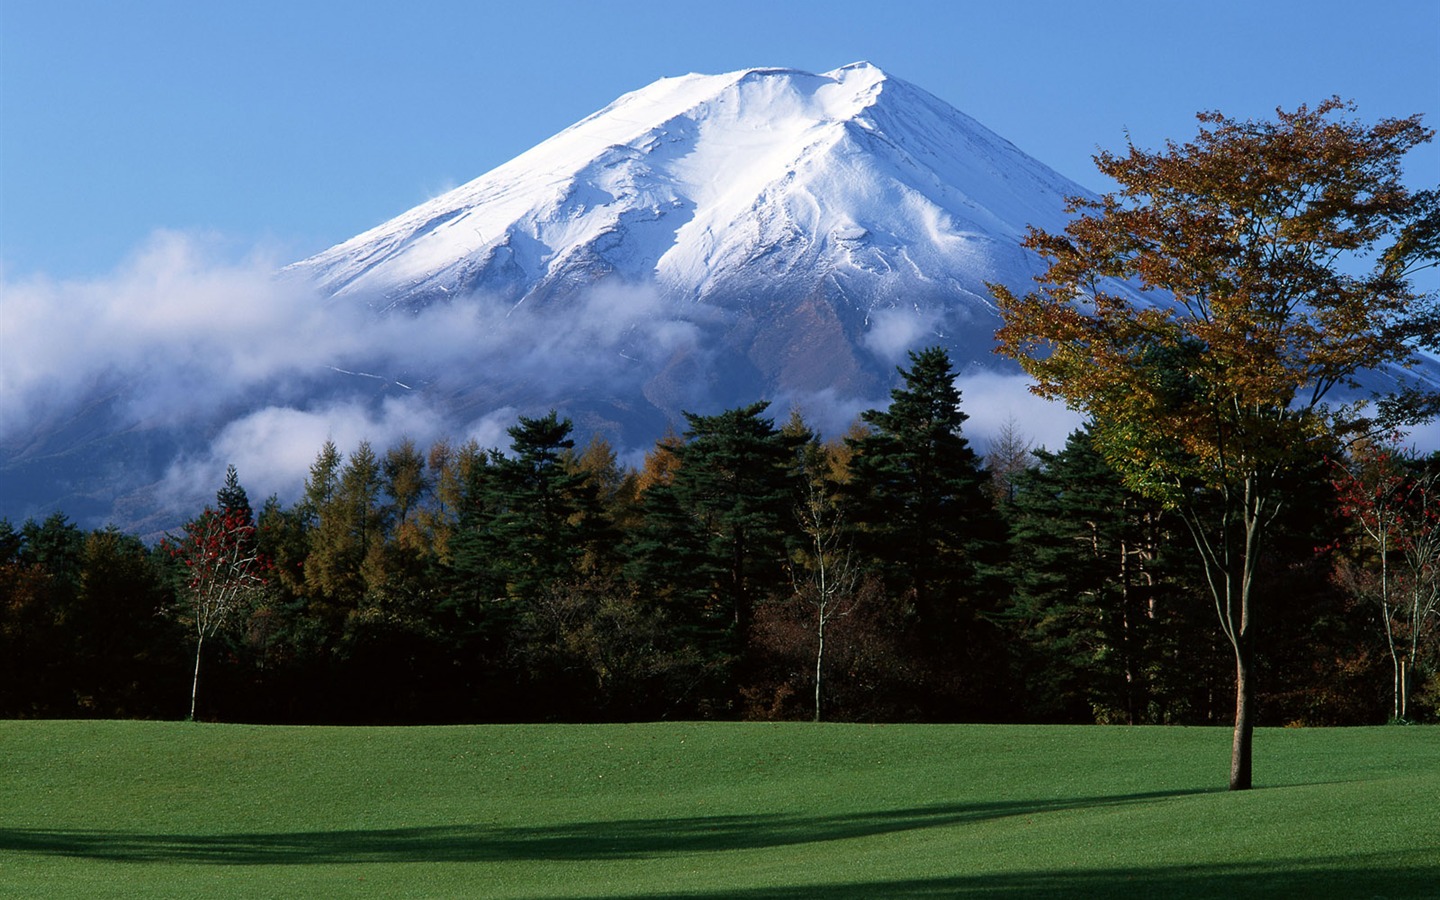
x=1272, y=261
x=1394, y=498
x=222, y=568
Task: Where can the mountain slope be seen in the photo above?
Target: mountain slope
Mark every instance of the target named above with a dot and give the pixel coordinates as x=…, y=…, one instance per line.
x=706, y=182
x=699, y=243
x=830, y=221
x=702, y=242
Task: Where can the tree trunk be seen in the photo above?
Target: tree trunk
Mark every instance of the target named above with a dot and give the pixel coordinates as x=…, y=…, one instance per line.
x=1398, y=679
x=1385, y=616
x=819, y=658
x=1404, y=689
x=195, y=682
x=1240, y=771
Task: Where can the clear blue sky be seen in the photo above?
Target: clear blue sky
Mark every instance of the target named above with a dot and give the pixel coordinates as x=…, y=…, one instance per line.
x=294, y=125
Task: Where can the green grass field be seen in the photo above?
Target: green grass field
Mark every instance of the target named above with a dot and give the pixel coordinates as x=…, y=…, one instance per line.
x=712, y=810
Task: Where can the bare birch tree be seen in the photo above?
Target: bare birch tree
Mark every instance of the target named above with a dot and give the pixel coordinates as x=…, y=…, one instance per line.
x=824, y=574
x=1010, y=453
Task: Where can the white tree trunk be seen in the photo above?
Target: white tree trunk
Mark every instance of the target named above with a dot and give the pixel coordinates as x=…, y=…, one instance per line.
x=195, y=682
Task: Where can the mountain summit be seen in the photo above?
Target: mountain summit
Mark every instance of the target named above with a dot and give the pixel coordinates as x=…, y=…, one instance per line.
x=710, y=184
x=829, y=221
x=701, y=243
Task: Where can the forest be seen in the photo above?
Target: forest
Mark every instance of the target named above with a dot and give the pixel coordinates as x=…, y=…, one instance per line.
x=747, y=570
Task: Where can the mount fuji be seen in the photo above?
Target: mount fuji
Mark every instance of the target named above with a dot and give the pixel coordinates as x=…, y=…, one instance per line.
x=812, y=227
x=703, y=242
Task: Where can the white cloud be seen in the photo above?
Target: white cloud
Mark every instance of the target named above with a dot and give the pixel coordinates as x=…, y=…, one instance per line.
x=827, y=411
x=490, y=430
x=272, y=448
x=176, y=332
x=896, y=331
x=993, y=399
x=247, y=368
x=181, y=335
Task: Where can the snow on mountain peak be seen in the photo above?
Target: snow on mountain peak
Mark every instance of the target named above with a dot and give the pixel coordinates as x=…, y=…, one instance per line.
x=703, y=184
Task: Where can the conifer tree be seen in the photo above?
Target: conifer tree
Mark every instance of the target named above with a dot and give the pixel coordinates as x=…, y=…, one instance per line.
x=738, y=479
x=349, y=525
x=616, y=488
x=667, y=556
x=396, y=565
x=1088, y=586
x=231, y=498
x=322, y=482
x=470, y=551
x=407, y=485
x=450, y=469
x=545, y=514
x=918, y=494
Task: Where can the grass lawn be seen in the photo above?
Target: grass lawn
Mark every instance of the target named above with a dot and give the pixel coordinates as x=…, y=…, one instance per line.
x=713, y=810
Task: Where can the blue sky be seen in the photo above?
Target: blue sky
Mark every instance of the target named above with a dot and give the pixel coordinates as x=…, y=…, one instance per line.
x=290, y=126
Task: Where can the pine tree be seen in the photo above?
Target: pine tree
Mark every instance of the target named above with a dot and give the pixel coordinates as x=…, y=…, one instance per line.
x=918, y=495
x=738, y=479
x=545, y=514
x=1087, y=587
x=231, y=497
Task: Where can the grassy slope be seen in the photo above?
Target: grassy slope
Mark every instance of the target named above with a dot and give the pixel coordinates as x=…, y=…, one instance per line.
x=712, y=810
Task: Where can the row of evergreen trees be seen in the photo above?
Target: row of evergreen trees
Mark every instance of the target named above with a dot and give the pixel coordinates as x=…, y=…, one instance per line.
x=746, y=570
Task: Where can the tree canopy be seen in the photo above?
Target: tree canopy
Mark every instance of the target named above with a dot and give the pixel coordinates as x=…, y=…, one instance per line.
x=1205, y=312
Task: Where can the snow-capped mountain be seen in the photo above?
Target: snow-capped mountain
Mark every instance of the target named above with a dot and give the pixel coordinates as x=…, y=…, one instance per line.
x=703, y=242
x=710, y=184
x=825, y=219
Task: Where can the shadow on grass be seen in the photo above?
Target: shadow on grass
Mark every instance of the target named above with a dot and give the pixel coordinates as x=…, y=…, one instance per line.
x=1372, y=875
x=1362, y=875
x=582, y=841
x=578, y=841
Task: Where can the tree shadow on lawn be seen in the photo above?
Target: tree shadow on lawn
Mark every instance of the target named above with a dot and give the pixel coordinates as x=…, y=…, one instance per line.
x=1354, y=875
x=582, y=841
x=1360, y=875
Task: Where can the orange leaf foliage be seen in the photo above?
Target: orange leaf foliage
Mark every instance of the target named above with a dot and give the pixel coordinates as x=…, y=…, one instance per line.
x=1202, y=313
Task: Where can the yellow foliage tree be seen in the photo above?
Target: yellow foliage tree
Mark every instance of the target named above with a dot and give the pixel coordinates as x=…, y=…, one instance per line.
x=1204, y=313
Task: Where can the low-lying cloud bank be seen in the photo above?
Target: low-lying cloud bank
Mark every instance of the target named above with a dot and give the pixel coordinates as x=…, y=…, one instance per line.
x=149, y=381
x=245, y=367
x=996, y=403
x=181, y=334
